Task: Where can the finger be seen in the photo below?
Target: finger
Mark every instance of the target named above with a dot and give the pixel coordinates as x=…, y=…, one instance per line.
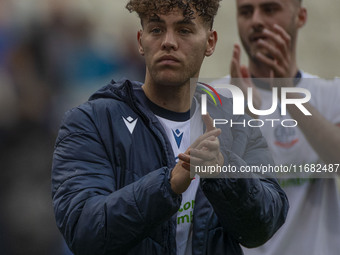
x=276, y=60
x=184, y=157
x=206, y=150
x=278, y=70
x=211, y=143
x=238, y=50
x=283, y=34
x=274, y=51
x=246, y=77
x=245, y=72
x=240, y=75
x=235, y=62
x=215, y=132
x=208, y=121
x=279, y=41
x=202, y=156
x=189, y=160
x=194, y=161
x=237, y=53
x=213, y=159
x=186, y=166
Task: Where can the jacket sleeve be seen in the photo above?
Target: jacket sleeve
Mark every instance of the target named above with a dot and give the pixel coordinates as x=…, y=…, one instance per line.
x=249, y=209
x=93, y=215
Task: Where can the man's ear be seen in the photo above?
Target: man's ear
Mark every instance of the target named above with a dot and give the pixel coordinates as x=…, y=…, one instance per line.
x=211, y=43
x=302, y=17
x=139, y=39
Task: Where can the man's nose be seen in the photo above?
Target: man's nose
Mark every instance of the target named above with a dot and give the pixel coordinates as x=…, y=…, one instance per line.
x=169, y=41
x=258, y=20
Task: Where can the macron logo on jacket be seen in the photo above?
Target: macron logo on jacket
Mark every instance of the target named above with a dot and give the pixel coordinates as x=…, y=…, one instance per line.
x=130, y=123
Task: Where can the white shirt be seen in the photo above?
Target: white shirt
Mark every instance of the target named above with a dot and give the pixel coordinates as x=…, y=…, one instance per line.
x=313, y=223
x=181, y=134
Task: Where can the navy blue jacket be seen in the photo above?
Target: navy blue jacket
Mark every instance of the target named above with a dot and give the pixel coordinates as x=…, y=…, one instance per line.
x=111, y=190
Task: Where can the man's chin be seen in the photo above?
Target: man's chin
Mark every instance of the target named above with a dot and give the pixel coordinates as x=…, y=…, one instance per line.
x=169, y=79
x=171, y=83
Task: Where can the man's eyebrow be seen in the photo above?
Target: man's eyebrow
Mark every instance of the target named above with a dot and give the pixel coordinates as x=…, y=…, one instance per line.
x=272, y=5
x=186, y=21
x=245, y=5
x=154, y=19
x=262, y=5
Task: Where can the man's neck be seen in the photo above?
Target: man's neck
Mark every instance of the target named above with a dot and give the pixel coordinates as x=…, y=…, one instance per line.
x=173, y=98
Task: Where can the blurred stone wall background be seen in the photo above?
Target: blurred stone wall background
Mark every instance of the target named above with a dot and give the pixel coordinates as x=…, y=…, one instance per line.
x=54, y=54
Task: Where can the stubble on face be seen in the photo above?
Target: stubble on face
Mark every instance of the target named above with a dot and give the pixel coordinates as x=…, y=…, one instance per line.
x=247, y=33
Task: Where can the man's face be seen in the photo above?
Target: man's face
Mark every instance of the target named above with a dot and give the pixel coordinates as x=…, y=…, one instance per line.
x=255, y=15
x=174, y=47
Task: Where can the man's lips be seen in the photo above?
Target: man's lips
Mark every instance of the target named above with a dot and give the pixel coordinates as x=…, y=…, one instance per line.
x=168, y=59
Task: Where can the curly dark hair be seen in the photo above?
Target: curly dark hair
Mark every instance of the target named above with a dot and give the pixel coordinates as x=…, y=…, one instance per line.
x=207, y=9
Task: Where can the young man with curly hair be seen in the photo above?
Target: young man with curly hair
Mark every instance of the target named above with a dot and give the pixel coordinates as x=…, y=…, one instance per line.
x=118, y=187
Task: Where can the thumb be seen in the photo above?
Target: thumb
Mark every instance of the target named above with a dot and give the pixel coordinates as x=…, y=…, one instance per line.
x=208, y=121
x=235, y=62
x=246, y=77
x=245, y=72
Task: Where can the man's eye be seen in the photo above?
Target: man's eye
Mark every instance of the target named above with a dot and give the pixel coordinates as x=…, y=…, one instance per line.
x=184, y=31
x=245, y=13
x=156, y=30
x=270, y=10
